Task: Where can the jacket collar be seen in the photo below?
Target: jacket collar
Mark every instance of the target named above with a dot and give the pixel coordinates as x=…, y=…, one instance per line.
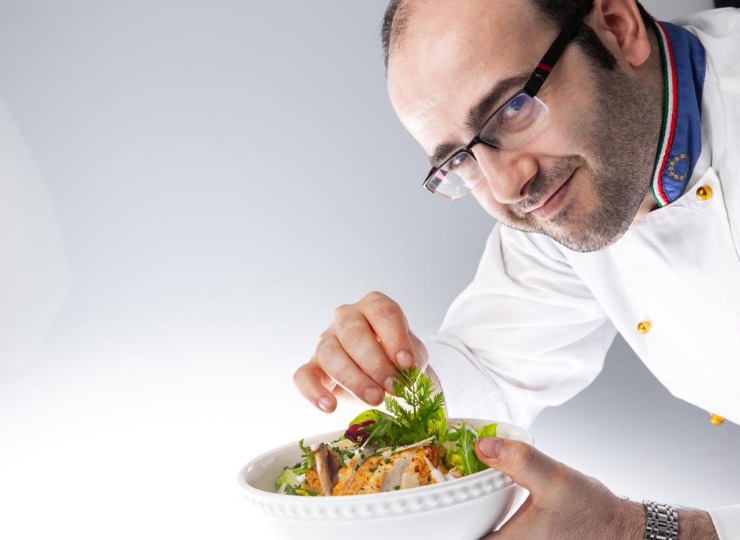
x=684, y=64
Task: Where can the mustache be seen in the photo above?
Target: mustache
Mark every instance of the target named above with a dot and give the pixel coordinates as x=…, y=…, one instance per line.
x=541, y=185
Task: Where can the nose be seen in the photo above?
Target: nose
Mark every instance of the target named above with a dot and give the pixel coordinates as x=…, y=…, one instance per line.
x=507, y=172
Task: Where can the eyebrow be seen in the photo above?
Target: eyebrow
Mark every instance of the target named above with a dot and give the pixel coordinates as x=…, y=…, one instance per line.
x=479, y=113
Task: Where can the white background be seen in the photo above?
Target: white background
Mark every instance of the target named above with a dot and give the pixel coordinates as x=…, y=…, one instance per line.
x=224, y=175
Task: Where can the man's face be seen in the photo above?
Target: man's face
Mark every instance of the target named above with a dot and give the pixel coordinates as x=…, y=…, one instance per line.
x=582, y=176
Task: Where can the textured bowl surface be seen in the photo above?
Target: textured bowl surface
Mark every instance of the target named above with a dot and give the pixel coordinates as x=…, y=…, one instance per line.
x=462, y=509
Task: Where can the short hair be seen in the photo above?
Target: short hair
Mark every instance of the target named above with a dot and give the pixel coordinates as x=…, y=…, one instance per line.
x=394, y=24
x=556, y=12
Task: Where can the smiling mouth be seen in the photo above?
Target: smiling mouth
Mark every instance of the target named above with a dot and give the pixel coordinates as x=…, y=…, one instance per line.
x=553, y=203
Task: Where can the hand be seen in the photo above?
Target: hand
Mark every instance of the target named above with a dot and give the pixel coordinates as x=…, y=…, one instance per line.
x=360, y=354
x=563, y=503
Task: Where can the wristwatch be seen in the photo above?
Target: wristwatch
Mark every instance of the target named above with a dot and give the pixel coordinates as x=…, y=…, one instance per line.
x=662, y=521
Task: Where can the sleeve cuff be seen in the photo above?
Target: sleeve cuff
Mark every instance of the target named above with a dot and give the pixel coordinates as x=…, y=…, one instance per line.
x=727, y=521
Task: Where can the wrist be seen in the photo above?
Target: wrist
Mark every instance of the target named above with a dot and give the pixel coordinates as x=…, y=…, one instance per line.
x=630, y=521
x=695, y=524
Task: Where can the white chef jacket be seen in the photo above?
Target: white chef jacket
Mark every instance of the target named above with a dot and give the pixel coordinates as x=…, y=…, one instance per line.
x=534, y=326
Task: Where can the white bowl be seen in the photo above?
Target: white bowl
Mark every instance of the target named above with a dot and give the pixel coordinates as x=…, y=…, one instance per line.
x=462, y=509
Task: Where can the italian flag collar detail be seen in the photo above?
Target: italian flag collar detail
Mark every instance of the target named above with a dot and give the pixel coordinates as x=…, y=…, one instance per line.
x=684, y=62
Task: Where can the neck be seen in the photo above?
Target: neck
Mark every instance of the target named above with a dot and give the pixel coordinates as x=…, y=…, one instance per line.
x=651, y=73
x=647, y=206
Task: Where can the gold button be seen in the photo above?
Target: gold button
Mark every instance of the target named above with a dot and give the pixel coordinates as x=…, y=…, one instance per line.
x=704, y=193
x=717, y=420
x=644, y=327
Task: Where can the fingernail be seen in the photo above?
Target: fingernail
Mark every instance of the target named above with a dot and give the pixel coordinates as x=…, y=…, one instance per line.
x=389, y=384
x=490, y=446
x=404, y=359
x=325, y=404
x=373, y=395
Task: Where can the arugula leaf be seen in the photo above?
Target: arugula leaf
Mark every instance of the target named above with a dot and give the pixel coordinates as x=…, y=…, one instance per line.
x=308, y=458
x=461, y=451
x=466, y=444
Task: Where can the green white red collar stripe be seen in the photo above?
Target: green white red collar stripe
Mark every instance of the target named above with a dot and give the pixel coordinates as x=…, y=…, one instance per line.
x=684, y=62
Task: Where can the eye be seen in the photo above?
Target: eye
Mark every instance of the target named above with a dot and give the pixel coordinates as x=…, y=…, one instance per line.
x=458, y=162
x=514, y=121
x=514, y=109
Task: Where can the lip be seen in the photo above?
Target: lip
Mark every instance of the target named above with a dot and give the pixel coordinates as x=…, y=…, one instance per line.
x=555, y=202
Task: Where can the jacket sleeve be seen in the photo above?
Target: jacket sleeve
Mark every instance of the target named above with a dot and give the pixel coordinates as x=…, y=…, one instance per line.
x=524, y=335
x=727, y=521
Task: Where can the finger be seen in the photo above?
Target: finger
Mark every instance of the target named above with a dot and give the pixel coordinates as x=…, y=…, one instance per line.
x=390, y=325
x=315, y=386
x=421, y=355
x=526, y=465
x=360, y=342
x=341, y=368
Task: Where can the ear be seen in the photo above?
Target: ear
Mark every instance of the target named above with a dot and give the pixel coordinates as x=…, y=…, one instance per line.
x=619, y=25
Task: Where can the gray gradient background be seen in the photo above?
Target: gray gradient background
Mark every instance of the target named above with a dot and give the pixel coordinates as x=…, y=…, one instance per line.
x=224, y=174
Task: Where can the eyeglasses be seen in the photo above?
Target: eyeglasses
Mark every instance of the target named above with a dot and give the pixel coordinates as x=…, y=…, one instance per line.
x=508, y=127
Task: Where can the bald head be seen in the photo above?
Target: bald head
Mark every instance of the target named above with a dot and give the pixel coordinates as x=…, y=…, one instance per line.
x=398, y=15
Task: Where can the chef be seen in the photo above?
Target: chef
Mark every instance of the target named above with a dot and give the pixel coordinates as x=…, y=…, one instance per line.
x=606, y=145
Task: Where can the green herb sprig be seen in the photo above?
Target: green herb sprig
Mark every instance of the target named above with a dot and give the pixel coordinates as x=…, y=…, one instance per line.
x=417, y=412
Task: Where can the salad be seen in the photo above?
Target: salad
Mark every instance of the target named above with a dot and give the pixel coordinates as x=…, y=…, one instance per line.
x=408, y=446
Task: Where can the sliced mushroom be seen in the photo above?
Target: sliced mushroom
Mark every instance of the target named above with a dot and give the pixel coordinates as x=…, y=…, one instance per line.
x=393, y=475
x=323, y=469
x=410, y=480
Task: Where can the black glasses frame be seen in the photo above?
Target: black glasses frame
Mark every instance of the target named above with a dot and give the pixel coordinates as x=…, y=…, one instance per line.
x=533, y=85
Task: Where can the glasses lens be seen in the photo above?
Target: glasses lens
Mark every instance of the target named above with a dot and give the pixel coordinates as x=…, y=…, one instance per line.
x=455, y=177
x=514, y=122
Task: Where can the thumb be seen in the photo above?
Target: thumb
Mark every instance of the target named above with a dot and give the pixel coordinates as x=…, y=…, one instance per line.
x=526, y=465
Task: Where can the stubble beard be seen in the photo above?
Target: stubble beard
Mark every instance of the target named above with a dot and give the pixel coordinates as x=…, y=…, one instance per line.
x=621, y=135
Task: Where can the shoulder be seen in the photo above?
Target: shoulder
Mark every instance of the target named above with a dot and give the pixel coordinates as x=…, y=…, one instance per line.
x=713, y=23
x=719, y=32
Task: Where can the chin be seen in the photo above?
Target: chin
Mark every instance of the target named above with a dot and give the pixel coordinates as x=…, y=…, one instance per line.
x=584, y=232
x=585, y=245
x=588, y=237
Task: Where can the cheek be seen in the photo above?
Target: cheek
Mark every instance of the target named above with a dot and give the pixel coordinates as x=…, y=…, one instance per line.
x=562, y=134
x=569, y=126
x=485, y=198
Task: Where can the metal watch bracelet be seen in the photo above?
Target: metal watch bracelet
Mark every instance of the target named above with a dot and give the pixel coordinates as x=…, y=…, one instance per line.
x=662, y=521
